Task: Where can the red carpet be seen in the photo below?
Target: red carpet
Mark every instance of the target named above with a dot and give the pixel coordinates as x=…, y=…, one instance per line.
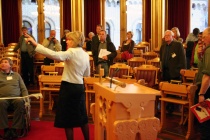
x=44, y=130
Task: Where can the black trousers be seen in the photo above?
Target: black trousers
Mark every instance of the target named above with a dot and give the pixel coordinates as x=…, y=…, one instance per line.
x=27, y=68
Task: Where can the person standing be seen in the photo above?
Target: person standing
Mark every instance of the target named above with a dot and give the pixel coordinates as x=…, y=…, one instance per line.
x=106, y=60
x=193, y=36
x=71, y=109
x=27, y=57
x=63, y=40
x=96, y=41
x=51, y=43
x=12, y=85
x=203, y=78
x=89, y=42
x=172, y=58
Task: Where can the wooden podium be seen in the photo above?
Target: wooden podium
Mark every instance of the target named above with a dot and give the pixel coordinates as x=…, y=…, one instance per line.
x=125, y=113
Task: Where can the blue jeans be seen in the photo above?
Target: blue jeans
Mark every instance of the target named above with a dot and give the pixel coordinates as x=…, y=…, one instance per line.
x=105, y=67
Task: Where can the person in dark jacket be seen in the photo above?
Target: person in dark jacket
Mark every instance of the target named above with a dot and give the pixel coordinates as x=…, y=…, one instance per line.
x=104, y=60
x=27, y=58
x=172, y=58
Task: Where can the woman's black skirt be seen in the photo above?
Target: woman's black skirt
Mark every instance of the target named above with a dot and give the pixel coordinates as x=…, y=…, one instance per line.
x=71, y=109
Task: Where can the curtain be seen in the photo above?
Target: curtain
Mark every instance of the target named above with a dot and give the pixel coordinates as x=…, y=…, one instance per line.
x=147, y=20
x=92, y=15
x=67, y=14
x=179, y=16
x=10, y=21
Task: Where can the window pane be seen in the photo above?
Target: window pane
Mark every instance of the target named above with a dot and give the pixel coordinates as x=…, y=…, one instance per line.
x=113, y=20
x=52, y=17
x=134, y=19
x=29, y=17
x=199, y=14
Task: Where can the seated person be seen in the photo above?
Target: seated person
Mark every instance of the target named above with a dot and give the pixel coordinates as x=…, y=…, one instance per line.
x=12, y=85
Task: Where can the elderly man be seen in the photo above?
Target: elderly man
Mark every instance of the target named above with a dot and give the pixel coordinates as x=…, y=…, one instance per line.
x=203, y=78
x=172, y=58
x=11, y=85
x=53, y=44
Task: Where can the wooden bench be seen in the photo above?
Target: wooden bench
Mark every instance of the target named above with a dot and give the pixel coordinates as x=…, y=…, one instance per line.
x=48, y=83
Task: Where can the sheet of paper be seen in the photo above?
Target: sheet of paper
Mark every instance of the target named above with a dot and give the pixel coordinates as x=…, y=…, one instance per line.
x=103, y=52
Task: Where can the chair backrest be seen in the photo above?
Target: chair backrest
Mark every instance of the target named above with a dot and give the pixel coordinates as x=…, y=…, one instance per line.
x=149, y=55
x=178, y=90
x=118, y=58
x=49, y=80
x=45, y=69
x=39, y=57
x=119, y=70
x=59, y=69
x=148, y=73
x=137, y=52
x=89, y=81
x=188, y=76
x=146, y=44
x=155, y=62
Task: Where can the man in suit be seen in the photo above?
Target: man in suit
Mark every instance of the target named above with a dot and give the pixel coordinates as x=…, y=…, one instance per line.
x=172, y=58
x=27, y=61
x=96, y=41
x=106, y=60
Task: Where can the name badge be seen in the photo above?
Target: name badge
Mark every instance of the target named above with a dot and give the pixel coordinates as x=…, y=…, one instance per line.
x=9, y=77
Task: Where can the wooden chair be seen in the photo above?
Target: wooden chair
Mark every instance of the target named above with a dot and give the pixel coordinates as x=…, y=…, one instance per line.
x=49, y=84
x=146, y=44
x=89, y=91
x=11, y=54
x=38, y=61
x=155, y=62
x=188, y=76
x=46, y=69
x=149, y=55
x=92, y=66
x=123, y=70
x=148, y=73
x=135, y=62
x=118, y=57
x=137, y=53
x=186, y=97
x=59, y=68
x=141, y=47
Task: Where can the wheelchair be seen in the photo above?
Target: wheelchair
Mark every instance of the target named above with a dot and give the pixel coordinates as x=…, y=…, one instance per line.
x=26, y=118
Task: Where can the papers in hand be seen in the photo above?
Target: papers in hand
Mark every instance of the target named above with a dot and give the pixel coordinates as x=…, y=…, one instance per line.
x=201, y=113
x=103, y=52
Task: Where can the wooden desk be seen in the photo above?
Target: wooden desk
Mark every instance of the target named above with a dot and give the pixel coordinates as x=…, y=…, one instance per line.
x=48, y=83
x=123, y=113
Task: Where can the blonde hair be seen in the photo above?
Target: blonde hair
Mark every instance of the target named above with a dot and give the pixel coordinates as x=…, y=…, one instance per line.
x=130, y=33
x=177, y=31
x=77, y=37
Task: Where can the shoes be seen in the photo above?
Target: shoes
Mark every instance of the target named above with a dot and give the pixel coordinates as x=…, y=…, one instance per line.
x=10, y=133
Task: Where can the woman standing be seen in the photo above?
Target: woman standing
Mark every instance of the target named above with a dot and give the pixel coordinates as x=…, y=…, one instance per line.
x=127, y=47
x=71, y=110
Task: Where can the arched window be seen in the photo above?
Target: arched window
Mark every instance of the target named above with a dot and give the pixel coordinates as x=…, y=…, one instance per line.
x=28, y=25
x=107, y=28
x=47, y=29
